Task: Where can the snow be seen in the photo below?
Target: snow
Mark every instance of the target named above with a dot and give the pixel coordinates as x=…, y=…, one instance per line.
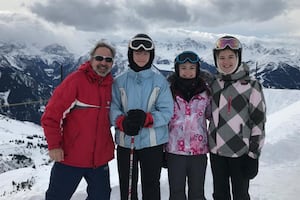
x=278, y=177
x=4, y=96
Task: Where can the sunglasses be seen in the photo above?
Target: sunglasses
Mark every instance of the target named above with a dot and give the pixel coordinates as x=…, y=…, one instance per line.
x=100, y=58
x=232, y=43
x=187, y=56
x=137, y=43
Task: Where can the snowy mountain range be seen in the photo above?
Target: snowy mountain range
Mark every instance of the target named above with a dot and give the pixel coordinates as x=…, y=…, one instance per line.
x=25, y=165
x=29, y=72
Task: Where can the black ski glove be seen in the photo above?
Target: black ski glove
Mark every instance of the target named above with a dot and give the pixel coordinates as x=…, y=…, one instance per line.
x=137, y=116
x=130, y=127
x=250, y=167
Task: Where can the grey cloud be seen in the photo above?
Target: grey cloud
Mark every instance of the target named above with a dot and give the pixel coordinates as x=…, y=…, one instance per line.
x=230, y=11
x=170, y=10
x=23, y=28
x=80, y=14
x=132, y=15
x=111, y=15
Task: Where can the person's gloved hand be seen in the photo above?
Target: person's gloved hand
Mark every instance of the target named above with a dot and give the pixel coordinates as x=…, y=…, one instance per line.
x=137, y=116
x=130, y=127
x=250, y=167
x=141, y=117
x=134, y=121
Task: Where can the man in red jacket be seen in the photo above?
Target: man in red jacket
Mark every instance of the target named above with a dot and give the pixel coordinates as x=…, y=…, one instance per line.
x=77, y=129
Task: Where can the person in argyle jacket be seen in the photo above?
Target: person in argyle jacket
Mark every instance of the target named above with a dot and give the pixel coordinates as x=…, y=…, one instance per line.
x=237, y=127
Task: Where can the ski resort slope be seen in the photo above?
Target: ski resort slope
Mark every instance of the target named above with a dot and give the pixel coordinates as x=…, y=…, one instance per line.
x=278, y=177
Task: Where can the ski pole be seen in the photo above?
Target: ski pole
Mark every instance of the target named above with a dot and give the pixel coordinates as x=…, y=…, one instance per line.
x=130, y=167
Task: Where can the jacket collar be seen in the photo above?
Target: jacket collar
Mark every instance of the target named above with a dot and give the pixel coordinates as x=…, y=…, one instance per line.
x=92, y=76
x=141, y=74
x=241, y=74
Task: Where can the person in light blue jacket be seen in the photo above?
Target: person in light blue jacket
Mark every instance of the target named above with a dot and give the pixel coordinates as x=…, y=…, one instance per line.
x=141, y=108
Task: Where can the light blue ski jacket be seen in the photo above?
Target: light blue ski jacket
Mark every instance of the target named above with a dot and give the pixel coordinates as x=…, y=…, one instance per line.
x=147, y=90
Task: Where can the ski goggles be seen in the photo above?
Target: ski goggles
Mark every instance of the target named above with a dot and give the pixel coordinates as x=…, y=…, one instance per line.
x=100, y=58
x=187, y=56
x=232, y=43
x=137, y=43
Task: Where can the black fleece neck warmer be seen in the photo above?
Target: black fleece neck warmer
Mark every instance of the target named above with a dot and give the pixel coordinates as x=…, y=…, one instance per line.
x=186, y=87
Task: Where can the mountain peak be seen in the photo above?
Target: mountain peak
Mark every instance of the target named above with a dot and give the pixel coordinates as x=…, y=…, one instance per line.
x=56, y=49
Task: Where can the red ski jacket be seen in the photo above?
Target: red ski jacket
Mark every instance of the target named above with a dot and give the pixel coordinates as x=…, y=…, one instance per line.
x=76, y=118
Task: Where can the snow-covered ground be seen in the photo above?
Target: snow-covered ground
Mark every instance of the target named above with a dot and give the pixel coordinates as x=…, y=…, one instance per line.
x=278, y=178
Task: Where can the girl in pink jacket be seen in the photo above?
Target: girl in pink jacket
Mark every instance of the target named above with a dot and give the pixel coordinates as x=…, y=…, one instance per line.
x=188, y=143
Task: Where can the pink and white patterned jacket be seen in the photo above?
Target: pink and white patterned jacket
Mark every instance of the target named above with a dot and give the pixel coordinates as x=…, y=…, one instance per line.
x=188, y=133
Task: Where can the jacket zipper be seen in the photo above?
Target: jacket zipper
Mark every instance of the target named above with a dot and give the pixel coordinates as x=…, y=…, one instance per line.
x=99, y=109
x=229, y=105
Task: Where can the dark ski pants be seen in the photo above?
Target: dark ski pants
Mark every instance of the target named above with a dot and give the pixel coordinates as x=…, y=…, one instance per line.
x=182, y=168
x=224, y=170
x=64, y=180
x=150, y=162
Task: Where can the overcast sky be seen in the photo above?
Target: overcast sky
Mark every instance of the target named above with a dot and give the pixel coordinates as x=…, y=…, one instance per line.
x=42, y=21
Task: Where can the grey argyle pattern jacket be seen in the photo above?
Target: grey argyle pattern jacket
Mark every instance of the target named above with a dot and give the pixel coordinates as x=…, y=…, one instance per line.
x=238, y=115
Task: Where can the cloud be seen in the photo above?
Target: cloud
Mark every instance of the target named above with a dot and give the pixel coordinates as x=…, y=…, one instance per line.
x=75, y=21
x=107, y=15
x=111, y=15
x=250, y=10
x=27, y=29
x=82, y=15
x=165, y=10
x=20, y=27
x=219, y=13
